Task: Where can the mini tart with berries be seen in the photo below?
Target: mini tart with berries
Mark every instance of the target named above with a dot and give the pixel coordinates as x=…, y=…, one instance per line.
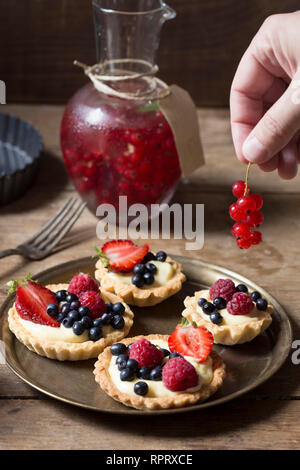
x=62, y=336
x=234, y=317
x=138, y=276
x=170, y=379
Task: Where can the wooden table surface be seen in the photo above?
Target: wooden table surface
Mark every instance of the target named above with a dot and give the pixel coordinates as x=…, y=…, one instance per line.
x=265, y=417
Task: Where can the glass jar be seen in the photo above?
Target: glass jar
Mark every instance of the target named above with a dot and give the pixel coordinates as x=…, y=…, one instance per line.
x=119, y=143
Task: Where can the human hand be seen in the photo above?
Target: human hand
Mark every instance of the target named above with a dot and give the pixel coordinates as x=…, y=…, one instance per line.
x=265, y=97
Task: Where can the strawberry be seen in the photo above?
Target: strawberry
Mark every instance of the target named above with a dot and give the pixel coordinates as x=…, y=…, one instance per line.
x=191, y=341
x=32, y=301
x=123, y=255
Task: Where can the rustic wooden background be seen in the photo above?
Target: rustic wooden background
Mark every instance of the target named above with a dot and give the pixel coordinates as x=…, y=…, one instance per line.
x=200, y=49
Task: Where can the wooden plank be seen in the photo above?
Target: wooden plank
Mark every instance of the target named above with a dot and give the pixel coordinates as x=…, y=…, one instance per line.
x=260, y=424
x=199, y=50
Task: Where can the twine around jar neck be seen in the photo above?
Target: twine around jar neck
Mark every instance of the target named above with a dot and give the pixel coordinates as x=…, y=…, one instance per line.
x=97, y=73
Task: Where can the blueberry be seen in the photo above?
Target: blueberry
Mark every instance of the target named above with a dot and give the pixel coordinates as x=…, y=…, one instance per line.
x=140, y=388
x=174, y=354
x=208, y=307
x=52, y=310
x=148, y=278
x=201, y=301
x=121, y=359
x=255, y=295
x=144, y=373
x=74, y=315
x=71, y=298
x=137, y=280
x=262, y=304
x=165, y=352
x=105, y=319
x=109, y=306
x=216, y=318
x=75, y=305
x=161, y=256
x=67, y=322
x=60, y=317
x=155, y=374
x=84, y=311
x=117, y=349
x=65, y=308
x=117, y=322
x=242, y=288
x=61, y=295
x=118, y=308
x=127, y=375
x=86, y=321
x=78, y=328
x=149, y=257
x=139, y=269
x=151, y=268
x=95, y=333
x=129, y=346
x=97, y=322
x=132, y=364
x=219, y=303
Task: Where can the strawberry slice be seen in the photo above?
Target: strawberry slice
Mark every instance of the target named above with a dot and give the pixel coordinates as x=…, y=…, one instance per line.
x=123, y=255
x=191, y=341
x=32, y=301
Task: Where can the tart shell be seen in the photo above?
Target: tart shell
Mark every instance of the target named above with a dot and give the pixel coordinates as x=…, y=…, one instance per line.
x=61, y=350
x=133, y=295
x=180, y=399
x=227, y=334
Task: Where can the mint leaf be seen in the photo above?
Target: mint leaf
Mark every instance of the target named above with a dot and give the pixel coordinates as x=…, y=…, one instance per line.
x=184, y=321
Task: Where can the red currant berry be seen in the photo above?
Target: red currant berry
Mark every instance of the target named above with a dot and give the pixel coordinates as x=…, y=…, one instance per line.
x=246, y=204
x=236, y=214
x=255, y=219
x=241, y=230
x=137, y=139
x=255, y=237
x=258, y=199
x=244, y=243
x=238, y=189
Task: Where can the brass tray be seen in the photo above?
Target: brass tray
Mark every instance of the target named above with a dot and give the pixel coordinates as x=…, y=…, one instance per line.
x=248, y=365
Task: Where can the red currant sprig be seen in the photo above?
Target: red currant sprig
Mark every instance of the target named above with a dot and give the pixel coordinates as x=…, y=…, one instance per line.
x=246, y=212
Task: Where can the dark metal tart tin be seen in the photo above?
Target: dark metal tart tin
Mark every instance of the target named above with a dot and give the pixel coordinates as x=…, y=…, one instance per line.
x=20, y=148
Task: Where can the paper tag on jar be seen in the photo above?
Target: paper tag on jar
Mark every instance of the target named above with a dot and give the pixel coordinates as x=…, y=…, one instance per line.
x=180, y=111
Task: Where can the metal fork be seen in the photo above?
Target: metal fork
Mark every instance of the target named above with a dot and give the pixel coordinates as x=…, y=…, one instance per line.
x=42, y=243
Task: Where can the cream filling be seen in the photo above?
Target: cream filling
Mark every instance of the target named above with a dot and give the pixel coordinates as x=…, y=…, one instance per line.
x=54, y=334
x=228, y=318
x=163, y=274
x=157, y=388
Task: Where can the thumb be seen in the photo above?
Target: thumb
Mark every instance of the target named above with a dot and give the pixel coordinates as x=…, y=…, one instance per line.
x=276, y=128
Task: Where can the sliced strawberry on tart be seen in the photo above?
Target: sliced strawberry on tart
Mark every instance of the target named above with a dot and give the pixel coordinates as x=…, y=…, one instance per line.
x=232, y=313
x=137, y=275
x=161, y=371
x=68, y=322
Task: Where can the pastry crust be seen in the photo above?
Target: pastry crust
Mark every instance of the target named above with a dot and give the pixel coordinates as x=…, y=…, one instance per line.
x=180, y=399
x=61, y=350
x=132, y=295
x=227, y=334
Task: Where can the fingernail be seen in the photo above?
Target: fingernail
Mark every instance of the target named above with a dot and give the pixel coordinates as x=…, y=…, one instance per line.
x=254, y=150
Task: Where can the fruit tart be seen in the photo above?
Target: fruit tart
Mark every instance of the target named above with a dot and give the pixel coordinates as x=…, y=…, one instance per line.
x=137, y=275
x=68, y=322
x=160, y=371
x=231, y=313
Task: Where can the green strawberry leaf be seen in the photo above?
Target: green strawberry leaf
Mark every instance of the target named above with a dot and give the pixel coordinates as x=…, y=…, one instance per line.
x=102, y=257
x=13, y=284
x=149, y=107
x=184, y=321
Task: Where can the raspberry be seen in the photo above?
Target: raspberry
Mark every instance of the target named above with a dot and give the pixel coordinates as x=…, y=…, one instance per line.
x=179, y=374
x=82, y=283
x=94, y=302
x=240, y=304
x=146, y=354
x=222, y=288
